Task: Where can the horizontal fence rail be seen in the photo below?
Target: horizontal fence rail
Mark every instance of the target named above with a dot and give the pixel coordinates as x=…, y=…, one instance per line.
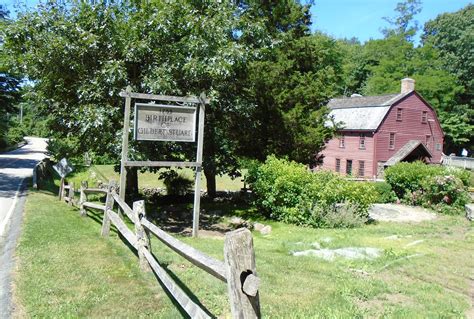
x=459, y=161
x=237, y=269
x=197, y=258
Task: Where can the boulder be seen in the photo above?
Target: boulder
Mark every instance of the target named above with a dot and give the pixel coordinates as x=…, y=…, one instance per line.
x=266, y=230
x=470, y=212
x=258, y=226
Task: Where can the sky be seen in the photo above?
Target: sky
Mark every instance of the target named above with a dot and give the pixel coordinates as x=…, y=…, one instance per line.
x=363, y=18
x=350, y=18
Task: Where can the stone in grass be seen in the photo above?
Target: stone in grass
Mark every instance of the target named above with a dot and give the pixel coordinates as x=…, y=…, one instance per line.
x=266, y=230
x=346, y=253
x=258, y=226
x=470, y=212
x=238, y=222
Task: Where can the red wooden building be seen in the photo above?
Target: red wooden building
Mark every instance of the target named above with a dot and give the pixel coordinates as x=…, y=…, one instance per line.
x=379, y=131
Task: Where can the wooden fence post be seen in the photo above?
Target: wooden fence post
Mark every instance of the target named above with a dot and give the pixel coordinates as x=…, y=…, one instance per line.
x=71, y=194
x=83, y=197
x=143, y=236
x=109, y=203
x=242, y=280
x=61, y=189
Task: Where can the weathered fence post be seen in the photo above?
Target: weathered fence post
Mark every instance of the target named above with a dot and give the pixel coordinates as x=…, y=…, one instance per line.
x=35, y=176
x=61, y=189
x=242, y=280
x=71, y=194
x=109, y=203
x=143, y=236
x=83, y=197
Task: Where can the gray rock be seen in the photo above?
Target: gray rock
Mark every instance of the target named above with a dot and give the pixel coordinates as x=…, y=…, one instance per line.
x=347, y=253
x=258, y=226
x=266, y=230
x=470, y=212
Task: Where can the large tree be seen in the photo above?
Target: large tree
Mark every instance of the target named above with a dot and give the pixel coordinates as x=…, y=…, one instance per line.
x=9, y=82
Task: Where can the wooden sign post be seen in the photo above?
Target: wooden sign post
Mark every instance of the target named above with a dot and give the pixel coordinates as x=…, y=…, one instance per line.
x=165, y=122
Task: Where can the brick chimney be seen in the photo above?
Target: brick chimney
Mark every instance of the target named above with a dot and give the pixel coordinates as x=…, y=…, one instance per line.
x=408, y=85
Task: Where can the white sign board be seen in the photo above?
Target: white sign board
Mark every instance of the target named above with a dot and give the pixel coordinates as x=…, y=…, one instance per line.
x=156, y=122
x=63, y=167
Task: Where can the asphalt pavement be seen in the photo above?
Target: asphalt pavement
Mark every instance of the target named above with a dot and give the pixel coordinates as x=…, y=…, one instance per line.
x=15, y=167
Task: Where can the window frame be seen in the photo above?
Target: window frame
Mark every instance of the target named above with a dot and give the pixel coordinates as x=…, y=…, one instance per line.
x=342, y=142
x=362, y=141
x=361, y=165
x=399, y=114
x=349, y=172
x=391, y=141
x=338, y=165
x=424, y=117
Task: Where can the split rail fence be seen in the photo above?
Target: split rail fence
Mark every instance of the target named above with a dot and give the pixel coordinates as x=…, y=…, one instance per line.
x=238, y=269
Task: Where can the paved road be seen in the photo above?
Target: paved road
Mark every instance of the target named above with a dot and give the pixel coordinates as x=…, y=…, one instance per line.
x=15, y=166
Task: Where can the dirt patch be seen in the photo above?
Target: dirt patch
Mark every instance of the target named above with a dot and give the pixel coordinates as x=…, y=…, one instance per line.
x=400, y=213
x=180, y=221
x=378, y=304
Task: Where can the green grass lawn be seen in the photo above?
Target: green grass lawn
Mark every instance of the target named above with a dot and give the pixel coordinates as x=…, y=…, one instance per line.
x=67, y=270
x=104, y=173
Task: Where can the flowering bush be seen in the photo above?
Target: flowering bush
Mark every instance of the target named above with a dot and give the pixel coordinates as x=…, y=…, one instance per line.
x=441, y=188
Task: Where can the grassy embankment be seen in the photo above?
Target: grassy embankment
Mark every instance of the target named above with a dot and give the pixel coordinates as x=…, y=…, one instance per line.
x=67, y=270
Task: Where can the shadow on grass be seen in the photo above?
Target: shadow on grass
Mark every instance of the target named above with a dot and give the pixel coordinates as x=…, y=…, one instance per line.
x=181, y=285
x=97, y=217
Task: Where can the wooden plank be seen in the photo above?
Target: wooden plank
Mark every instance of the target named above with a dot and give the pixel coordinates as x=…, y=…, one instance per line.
x=169, y=98
x=125, y=133
x=109, y=203
x=71, y=194
x=211, y=265
x=124, y=207
x=191, y=308
x=94, y=205
x=95, y=190
x=239, y=258
x=162, y=164
x=122, y=228
x=197, y=180
x=83, y=197
x=143, y=236
x=61, y=189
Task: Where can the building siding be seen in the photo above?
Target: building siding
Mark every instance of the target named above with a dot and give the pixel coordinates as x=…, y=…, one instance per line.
x=409, y=128
x=351, y=151
x=377, y=150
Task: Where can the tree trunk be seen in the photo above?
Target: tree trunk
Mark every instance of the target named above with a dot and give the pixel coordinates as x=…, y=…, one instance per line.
x=210, y=174
x=131, y=188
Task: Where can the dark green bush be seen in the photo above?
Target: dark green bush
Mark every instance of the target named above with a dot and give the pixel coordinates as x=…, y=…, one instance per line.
x=385, y=193
x=405, y=178
x=289, y=192
x=176, y=184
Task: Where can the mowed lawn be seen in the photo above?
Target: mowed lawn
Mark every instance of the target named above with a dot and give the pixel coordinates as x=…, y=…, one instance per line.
x=67, y=270
x=105, y=173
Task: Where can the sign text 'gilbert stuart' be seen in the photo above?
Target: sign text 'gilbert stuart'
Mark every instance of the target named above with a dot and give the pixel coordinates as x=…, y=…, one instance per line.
x=156, y=122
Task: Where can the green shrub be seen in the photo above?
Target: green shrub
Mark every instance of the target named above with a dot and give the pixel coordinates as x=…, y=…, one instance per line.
x=446, y=194
x=289, y=192
x=385, y=193
x=405, y=178
x=441, y=188
x=176, y=184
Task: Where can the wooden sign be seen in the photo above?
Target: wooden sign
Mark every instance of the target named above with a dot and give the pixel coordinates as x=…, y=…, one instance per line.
x=63, y=167
x=157, y=122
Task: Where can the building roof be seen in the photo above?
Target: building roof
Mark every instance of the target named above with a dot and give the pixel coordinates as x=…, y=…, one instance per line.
x=362, y=112
x=407, y=150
